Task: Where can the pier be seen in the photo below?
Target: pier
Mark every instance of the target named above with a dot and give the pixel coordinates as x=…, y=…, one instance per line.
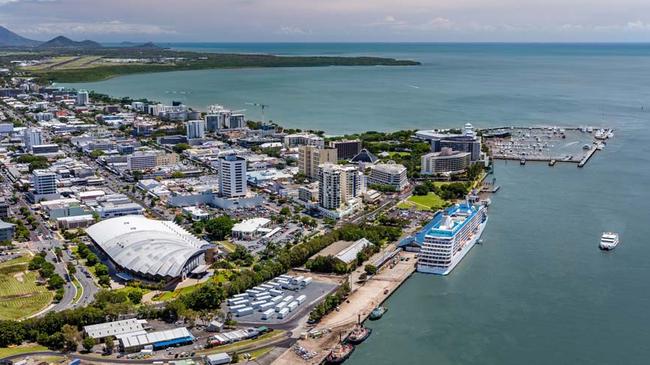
x=589, y=154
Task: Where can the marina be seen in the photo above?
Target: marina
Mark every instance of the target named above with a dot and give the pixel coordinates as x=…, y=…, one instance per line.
x=547, y=144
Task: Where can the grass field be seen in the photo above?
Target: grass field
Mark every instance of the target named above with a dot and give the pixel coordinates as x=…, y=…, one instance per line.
x=424, y=202
x=228, y=246
x=17, y=350
x=20, y=296
x=169, y=295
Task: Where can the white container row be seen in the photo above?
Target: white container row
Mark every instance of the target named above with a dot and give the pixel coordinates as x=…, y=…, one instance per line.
x=268, y=314
x=244, y=311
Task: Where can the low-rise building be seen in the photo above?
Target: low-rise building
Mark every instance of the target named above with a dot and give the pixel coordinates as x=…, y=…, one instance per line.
x=389, y=174
x=250, y=228
x=446, y=161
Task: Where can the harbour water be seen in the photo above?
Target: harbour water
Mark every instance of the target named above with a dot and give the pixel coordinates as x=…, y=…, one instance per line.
x=538, y=290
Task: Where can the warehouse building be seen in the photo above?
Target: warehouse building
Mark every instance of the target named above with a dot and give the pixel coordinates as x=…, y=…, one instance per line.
x=115, y=329
x=133, y=342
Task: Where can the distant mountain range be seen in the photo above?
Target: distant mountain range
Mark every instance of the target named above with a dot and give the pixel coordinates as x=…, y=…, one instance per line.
x=65, y=42
x=11, y=39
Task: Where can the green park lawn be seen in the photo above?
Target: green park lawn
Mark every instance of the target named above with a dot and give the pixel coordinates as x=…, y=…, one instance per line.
x=424, y=202
x=20, y=295
x=23, y=349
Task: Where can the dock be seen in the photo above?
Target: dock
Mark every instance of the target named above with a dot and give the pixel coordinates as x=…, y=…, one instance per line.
x=589, y=154
x=359, y=304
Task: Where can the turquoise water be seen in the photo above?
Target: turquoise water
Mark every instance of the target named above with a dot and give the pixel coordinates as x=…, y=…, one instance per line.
x=538, y=291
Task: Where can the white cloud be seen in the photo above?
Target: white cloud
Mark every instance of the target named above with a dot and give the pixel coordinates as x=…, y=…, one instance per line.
x=289, y=30
x=111, y=27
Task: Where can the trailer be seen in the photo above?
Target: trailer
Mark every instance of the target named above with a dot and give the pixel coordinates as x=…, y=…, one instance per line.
x=252, y=292
x=283, y=313
x=241, y=295
x=276, y=300
x=297, y=280
x=285, y=277
x=266, y=306
x=241, y=301
x=244, y=311
x=234, y=308
x=275, y=292
x=288, y=299
x=268, y=314
x=306, y=281
x=274, y=284
x=267, y=286
x=264, y=298
x=301, y=299
x=293, y=305
x=280, y=306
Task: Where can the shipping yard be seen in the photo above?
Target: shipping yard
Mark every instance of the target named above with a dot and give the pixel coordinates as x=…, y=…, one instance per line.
x=548, y=144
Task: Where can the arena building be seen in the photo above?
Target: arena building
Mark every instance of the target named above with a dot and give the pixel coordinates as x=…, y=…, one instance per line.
x=147, y=248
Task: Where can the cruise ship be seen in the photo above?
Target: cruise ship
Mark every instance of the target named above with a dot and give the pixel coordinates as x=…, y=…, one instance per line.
x=449, y=237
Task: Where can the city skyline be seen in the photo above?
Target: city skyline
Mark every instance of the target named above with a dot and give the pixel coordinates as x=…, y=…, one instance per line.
x=336, y=21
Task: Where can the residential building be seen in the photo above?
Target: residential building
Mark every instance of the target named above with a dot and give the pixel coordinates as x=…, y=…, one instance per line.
x=304, y=139
x=4, y=209
x=195, y=129
x=337, y=185
x=232, y=176
x=346, y=149
x=166, y=159
x=447, y=161
x=390, y=174
x=83, y=98
x=310, y=157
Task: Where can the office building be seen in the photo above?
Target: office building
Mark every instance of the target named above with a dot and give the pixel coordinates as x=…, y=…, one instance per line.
x=338, y=185
x=6, y=231
x=44, y=182
x=310, y=157
x=141, y=160
x=32, y=137
x=346, y=149
x=195, y=129
x=232, y=176
x=447, y=161
x=467, y=141
x=82, y=98
x=388, y=174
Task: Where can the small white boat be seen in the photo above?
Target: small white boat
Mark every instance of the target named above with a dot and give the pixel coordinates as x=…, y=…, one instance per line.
x=608, y=241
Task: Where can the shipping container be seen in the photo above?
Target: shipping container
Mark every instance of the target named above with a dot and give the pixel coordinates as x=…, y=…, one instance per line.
x=268, y=314
x=244, y=311
x=301, y=299
x=280, y=306
x=283, y=313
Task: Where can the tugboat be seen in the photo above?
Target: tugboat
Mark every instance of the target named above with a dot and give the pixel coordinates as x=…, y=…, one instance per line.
x=522, y=161
x=358, y=334
x=339, y=354
x=377, y=313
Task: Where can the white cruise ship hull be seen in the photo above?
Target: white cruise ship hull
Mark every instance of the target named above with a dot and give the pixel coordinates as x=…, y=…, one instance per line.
x=458, y=257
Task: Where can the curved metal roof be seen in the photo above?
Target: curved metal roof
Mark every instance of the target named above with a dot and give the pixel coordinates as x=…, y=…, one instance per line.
x=146, y=246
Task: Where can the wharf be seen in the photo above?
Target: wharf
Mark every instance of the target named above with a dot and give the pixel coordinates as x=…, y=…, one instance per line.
x=589, y=154
x=359, y=304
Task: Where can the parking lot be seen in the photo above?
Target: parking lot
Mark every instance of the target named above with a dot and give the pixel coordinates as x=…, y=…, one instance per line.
x=314, y=293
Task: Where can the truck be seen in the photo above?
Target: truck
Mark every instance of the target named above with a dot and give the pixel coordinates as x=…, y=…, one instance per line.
x=268, y=314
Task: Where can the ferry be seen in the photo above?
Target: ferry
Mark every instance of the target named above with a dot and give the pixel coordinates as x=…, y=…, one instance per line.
x=608, y=241
x=450, y=236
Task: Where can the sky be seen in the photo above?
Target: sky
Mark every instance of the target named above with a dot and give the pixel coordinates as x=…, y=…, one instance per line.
x=331, y=20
